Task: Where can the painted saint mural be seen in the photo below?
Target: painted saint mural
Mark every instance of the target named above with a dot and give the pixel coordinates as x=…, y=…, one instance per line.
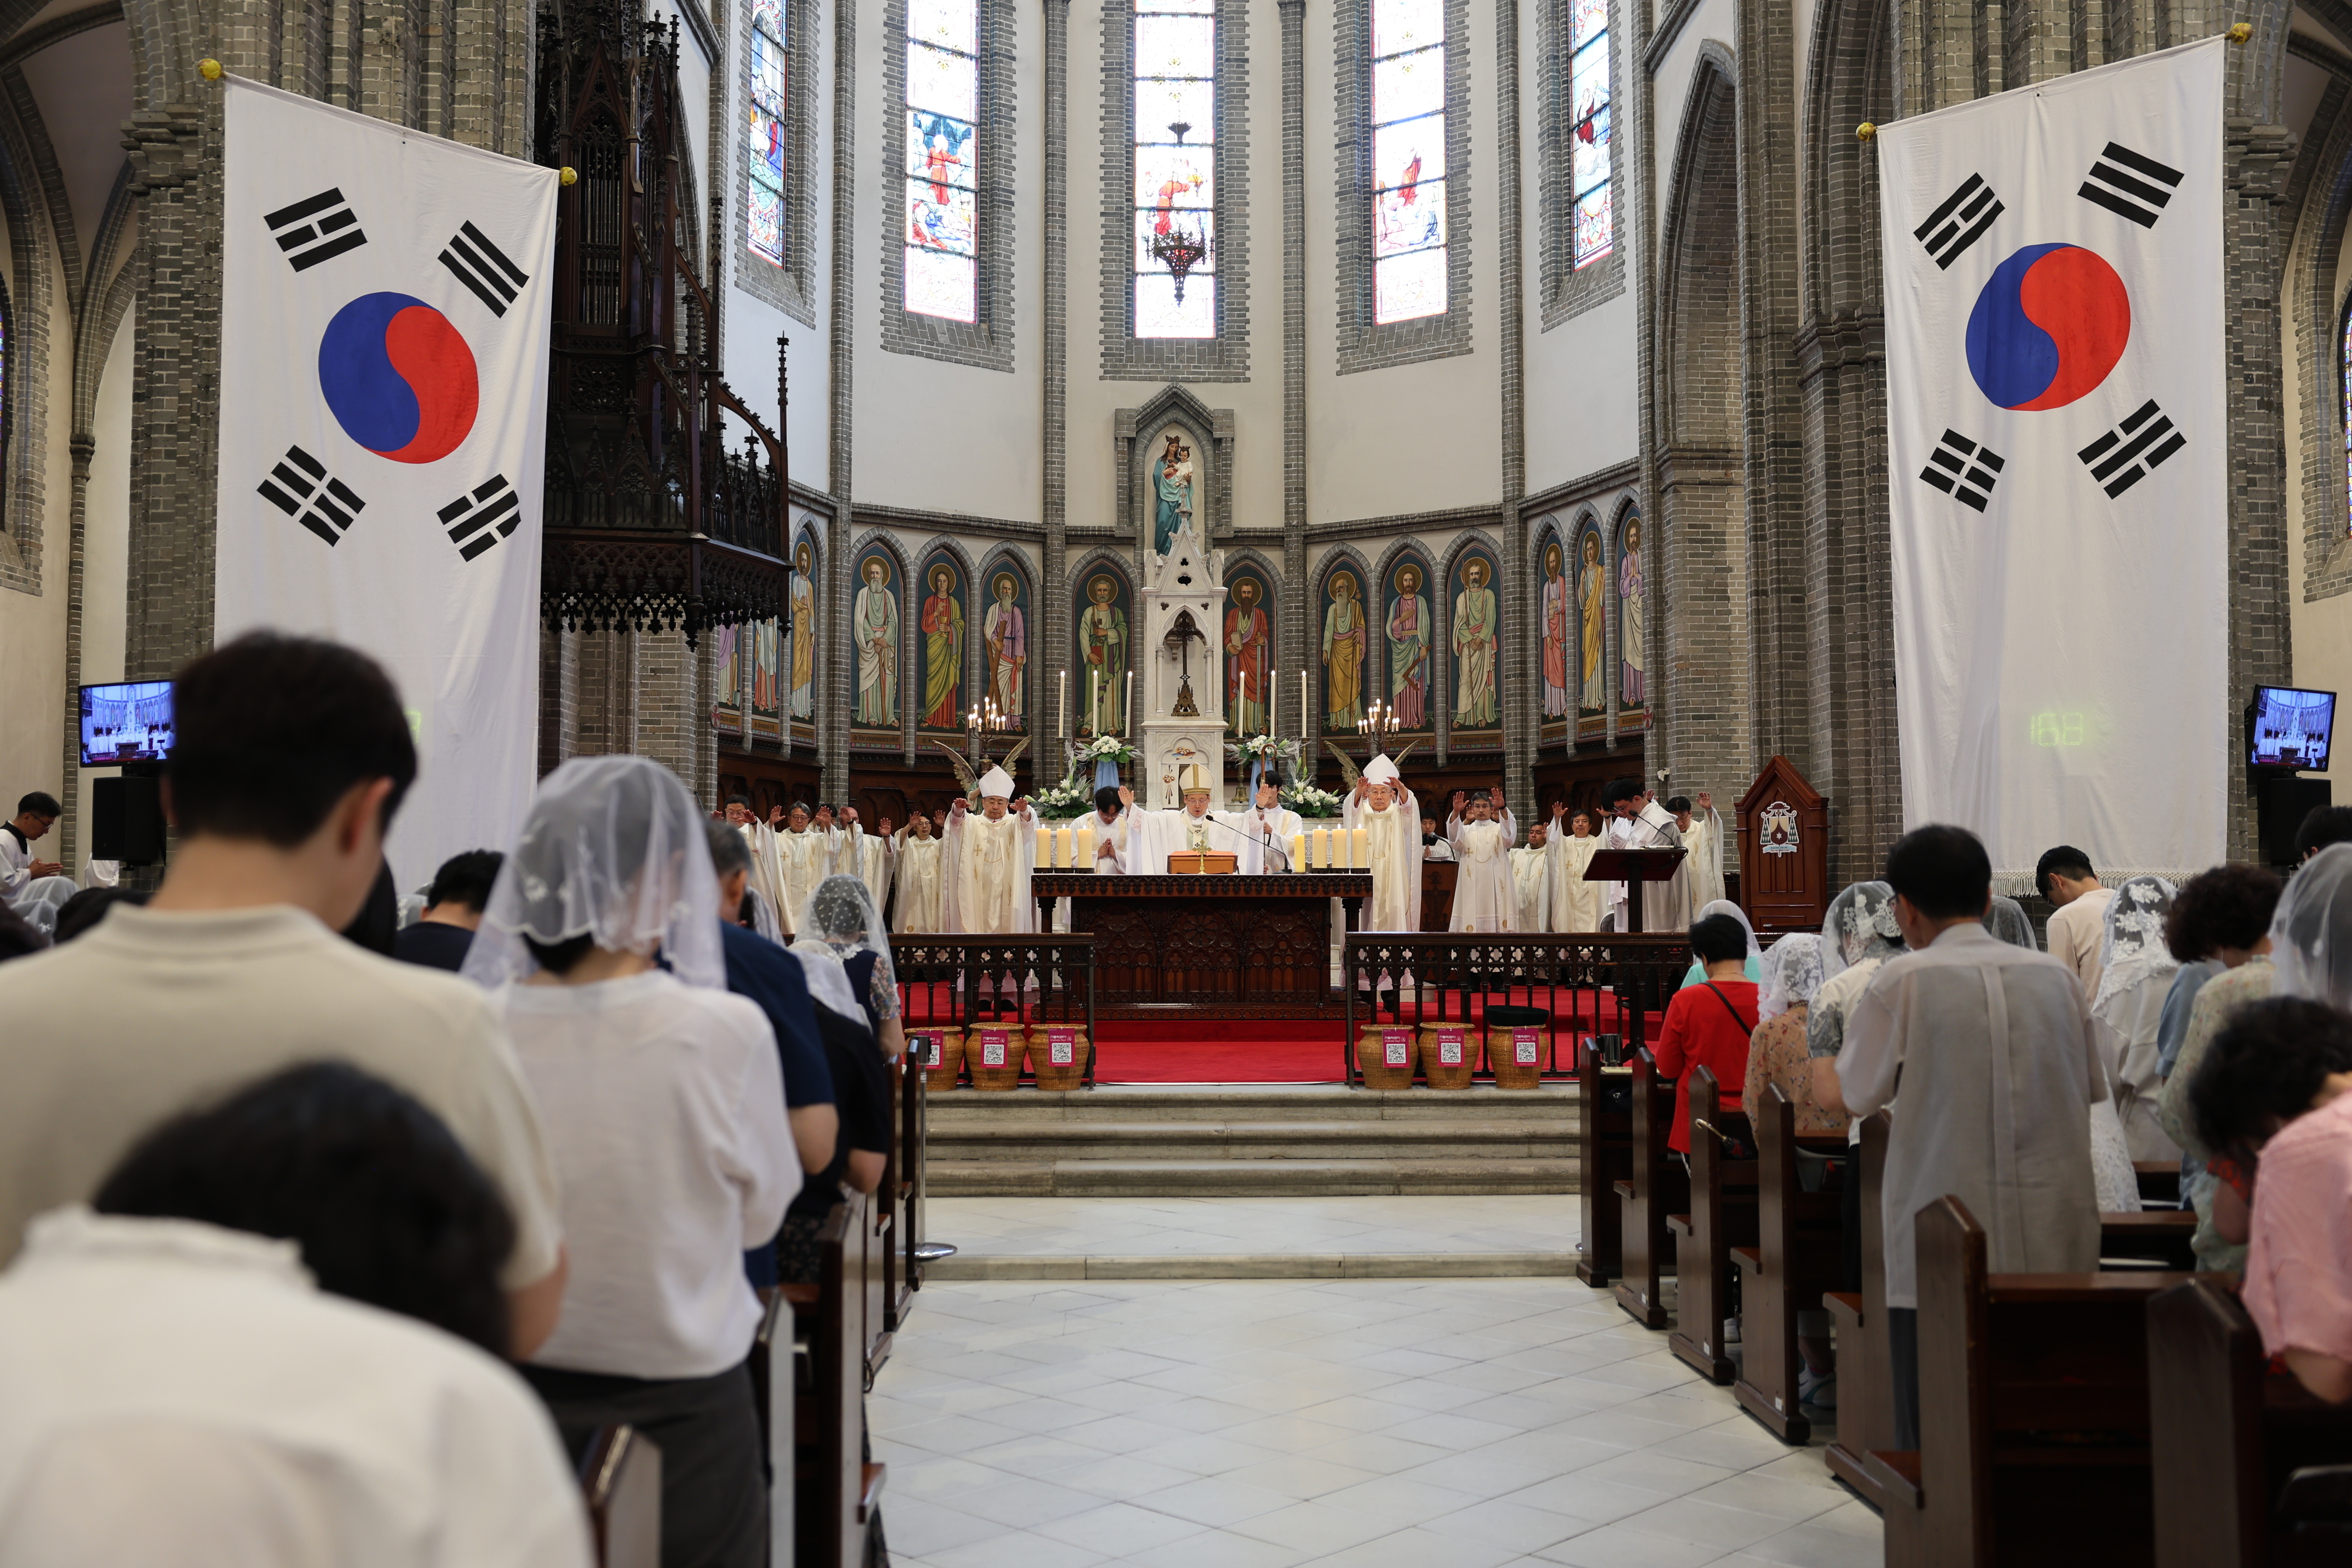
x=1475, y=635
x=874, y=632
x=764, y=638
x=1559, y=661
x=1346, y=639
x=1249, y=649
x=1103, y=654
x=726, y=679
x=1591, y=594
x=1411, y=638
x=1005, y=634
x=802, y=678
x=941, y=661
x=1633, y=621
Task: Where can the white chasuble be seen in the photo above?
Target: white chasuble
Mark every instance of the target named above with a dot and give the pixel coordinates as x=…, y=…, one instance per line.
x=1392, y=837
x=1575, y=903
x=984, y=875
x=803, y=860
x=1531, y=879
x=866, y=857
x=1704, y=839
x=918, y=884
x=1259, y=824
x=1484, y=896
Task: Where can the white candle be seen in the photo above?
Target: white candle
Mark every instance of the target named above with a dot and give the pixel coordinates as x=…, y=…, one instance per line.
x=1322, y=852
x=1298, y=852
x=1082, y=855
x=1094, y=697
x=1062, y=704
x=1360, y=854
x=1302, y=705
x=1272, y=685
x=1045, y=847
x=1131, y=703
x=1062, y=843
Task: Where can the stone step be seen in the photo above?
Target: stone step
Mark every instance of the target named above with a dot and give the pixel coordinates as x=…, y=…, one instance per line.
x=1305, y=1176
x=1257, y=1265
x=1255, y=1103
x=1025, y=1139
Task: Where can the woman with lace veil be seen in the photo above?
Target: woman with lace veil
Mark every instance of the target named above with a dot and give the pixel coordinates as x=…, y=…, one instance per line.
x=840, y=924
x=1778, y=1055
x=2006, y=919
x=661, y=1098
x=2136, y=971
x=1754, y=968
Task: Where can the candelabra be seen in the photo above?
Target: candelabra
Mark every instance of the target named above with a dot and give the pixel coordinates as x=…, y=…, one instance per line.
x=984, y=720
x=1377, y=726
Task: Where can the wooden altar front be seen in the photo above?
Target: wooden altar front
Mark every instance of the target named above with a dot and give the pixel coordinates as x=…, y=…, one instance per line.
x=1213, y=946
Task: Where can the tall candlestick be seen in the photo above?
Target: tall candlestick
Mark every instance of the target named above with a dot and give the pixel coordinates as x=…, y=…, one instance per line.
x=1302, y=705
x=1094, y=697
x=1130, y=704
x=1272, y=685
x=1062, y=704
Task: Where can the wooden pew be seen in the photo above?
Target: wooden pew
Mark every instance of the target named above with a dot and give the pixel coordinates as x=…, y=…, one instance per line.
x=772, y=1395
x=2159, y=1181
x=1797, y=1260
x=910, y=1152
x=836, y=1489
x=2227, y=1434
x=621, y=1481
x=1722, y=1216
x=881, y=1242
x=2159, y=1236
x=1865, y=1410
x=1604, y=1154
x=2034, y=1401
x=1655, y=1185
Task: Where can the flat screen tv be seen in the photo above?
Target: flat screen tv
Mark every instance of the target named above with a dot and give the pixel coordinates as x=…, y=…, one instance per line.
x=2290, y=728
x=126, y=722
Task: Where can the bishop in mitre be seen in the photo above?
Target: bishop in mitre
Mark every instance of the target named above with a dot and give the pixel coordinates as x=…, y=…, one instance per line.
x=1481, y=829
x=986, y=862
x=1569, y=847
x=1157, y=835
x=1385, y=808
x=1531, y=879
x=803, y=858
x=917, y=872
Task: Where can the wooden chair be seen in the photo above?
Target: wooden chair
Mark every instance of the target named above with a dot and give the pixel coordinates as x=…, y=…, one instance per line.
x=836, y=1489
x=621, y=1481
x=1656, y=1186
x=2034, y=1424
x=1865, y=1415
x=1722, y=1216
x=1604, y=1155
x=2228, y=1436
x=1797, y=1260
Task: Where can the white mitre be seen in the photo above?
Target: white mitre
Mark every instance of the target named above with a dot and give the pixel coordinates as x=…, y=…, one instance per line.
x=1380, y=770
x=1194, y=779
x=996, y=784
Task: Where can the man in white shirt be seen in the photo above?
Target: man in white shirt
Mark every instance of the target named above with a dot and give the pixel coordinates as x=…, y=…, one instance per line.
x=1998, y=1069
x=292, y=756
x=181, y=1394
x=2078, y=922
x=36, y=814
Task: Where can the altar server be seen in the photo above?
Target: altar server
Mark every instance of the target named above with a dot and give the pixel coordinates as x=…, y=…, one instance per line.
x=1386, y=809
x=1481, y=829
x=917, y=876
x=1576, y=903
x=1270, y=823
x=1702, y=831
x=1113, y=821
x=984, y=875
x=1531, y=879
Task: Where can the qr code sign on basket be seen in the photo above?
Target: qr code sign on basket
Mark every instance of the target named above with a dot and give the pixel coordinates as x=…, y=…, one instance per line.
x=1061, y=1046
x=1396, y=1048
x=1449, y=1047
x=991, y=1048
x=1525, y=1045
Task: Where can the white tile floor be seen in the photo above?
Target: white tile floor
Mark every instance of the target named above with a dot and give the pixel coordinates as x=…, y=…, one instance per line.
x=1352, y=1424
x=1179, y=1226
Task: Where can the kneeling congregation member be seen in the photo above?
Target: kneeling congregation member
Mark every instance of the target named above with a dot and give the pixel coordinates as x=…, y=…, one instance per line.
x=664, y=1106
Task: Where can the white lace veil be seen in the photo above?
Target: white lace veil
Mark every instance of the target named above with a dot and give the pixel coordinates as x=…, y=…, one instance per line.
x=613, y=850
x=2133, y=949
x=1859, y=924
x=2007, y=920
x=837, y=924
x=1792, y=973
x=1725, y=906
x=2311, y=933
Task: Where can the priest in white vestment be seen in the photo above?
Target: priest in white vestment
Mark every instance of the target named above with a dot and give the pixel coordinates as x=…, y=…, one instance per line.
x=1638, y=823
x=1381, y=805
x=1531, y=879
x=1702, y=832
x=917, y=876
x=866, y=856
x=1569, y=848
x=984, y=876
x=803, y=858
x=1269, y=824
x=1156, y=835
x=762, y=883
x=1481, y=829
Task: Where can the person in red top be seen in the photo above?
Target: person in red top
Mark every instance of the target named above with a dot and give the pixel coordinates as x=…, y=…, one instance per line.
x=1708, y=1024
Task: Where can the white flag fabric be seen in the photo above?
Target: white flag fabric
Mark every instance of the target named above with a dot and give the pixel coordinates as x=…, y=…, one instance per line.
x=384, y=304
x=2057, y=435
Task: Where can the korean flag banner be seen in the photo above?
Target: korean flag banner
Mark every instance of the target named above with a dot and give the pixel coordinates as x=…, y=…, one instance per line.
x=2057, y=483
x=385, y=301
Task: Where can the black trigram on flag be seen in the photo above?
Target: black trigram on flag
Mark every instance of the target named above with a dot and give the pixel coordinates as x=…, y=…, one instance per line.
x=299, y=487
x=315, y=229
x=2123, y=456
x=2130, y=186
x=1960, y=222
x=482, y=517
x=484, y=268
x=1963, y=470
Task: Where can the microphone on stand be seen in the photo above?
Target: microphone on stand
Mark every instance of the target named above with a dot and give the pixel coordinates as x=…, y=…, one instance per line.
x=1266, y=842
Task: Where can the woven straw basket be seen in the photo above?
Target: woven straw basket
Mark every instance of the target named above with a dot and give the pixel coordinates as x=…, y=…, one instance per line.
x=1052, y=1073
x=1007, y=1045
x=1449, y=1055
x=1376, y=1050
x=1504, y=1053
x=942, y=1073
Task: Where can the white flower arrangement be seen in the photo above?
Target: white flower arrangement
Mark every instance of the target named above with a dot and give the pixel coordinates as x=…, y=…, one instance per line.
x=1263, y=749
x=1310, y=801
x=1102, y=747
x=1073, y=796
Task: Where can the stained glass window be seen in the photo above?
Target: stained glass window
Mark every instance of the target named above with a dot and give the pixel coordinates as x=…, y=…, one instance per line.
x=1591, y=223
x=771, y=82
x=1408, y=159
x=942, y=157
x=1175, y=168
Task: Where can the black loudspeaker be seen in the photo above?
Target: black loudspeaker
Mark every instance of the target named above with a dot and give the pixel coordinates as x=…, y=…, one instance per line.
x=127, y=819
x=2281, y=804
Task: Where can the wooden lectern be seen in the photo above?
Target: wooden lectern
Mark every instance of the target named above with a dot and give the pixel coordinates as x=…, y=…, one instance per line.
x=1633, y=867
x=1203, y=863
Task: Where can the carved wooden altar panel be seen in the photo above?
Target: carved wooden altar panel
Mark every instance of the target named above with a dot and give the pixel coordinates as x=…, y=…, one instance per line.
x=1248, y=946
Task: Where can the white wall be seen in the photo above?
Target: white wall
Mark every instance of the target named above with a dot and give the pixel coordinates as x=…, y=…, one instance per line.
x=106, y=540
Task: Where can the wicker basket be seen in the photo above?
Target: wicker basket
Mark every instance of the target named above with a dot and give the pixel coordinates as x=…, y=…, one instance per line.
x=1059, y=1062
x=995, y=1055
x=1515, y=1056
x=1449, y=1055
x=944, y=1073
x=1379, y=1051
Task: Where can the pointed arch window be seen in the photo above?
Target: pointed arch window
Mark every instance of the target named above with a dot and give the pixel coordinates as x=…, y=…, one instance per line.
x=1409, y=110
x=769, y=90
x=1592, y=217
x=942, y=267
x=1175, y=168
